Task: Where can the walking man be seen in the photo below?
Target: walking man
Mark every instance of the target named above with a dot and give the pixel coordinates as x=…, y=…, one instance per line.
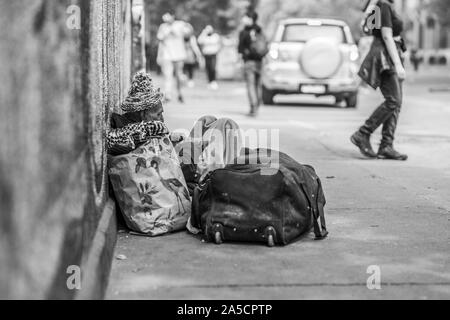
x=384, y=68
x=253, y=47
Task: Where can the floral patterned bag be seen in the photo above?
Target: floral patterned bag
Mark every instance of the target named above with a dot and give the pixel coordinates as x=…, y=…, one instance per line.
x=150, y=188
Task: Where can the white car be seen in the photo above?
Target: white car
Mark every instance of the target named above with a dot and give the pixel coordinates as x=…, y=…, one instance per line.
x=312, y=56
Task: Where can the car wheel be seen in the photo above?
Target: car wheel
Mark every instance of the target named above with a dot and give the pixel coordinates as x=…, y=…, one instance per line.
x=267, y=96
x=340, y=102
x=352, y=100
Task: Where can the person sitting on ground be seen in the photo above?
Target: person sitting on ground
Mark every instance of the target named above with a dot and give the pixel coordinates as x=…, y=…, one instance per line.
x=142, y=119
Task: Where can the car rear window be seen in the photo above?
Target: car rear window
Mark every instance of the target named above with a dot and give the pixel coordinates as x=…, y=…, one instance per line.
x=304, y=33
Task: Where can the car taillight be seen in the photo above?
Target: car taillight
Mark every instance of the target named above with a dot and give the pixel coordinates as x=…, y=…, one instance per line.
x=354, y=54
x=274, y=52
x=277, y=54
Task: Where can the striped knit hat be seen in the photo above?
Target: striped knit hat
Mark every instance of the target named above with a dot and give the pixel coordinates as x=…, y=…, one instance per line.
x=142, y=95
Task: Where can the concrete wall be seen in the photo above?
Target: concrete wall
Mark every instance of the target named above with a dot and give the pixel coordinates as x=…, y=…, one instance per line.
x=57, y=89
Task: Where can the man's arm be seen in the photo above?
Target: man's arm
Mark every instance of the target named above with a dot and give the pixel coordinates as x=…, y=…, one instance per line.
x=120, y=141
x=393, y=52
x=202, y=38
x=388, y=38
x=197, y=52
x=125, y=140
x=163, y=32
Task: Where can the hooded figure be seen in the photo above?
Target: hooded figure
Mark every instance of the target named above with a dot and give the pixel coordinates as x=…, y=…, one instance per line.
x=142, y=117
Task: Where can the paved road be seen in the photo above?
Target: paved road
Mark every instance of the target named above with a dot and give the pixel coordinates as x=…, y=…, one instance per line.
x=380, y=213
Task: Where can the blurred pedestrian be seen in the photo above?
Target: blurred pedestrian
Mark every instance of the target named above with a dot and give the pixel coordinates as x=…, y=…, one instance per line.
x=194, y=56
x=211, y=44
x=172, y=53
x=415, y=59
x=383, y=68
x=253, y=47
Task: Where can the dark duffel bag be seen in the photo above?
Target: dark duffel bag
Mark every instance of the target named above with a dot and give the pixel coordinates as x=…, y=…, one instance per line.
x=257, y=203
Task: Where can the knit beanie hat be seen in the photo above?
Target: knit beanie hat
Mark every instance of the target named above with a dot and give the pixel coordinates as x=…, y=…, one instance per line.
x=142, y=95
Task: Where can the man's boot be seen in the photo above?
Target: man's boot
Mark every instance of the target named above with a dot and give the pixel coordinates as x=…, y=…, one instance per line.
x=362, y=141
x=389, y=153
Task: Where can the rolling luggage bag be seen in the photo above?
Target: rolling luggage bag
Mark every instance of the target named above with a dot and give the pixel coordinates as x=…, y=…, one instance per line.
x=242, y=203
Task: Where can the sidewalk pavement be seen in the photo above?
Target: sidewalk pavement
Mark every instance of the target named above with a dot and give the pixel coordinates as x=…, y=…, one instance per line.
x=380, y=213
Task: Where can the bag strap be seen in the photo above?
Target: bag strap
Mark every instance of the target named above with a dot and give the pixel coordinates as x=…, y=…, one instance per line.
x=320, y=228
x=195, y=218
x=199, y=190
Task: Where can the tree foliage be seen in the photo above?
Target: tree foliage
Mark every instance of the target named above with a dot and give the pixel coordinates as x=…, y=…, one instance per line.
x=442, y=9
x=271, y=11
x=198, y=12
x=224, y=15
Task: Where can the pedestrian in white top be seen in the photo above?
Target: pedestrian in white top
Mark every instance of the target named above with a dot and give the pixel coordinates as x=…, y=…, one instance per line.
x=210, y=43
x=172, y=53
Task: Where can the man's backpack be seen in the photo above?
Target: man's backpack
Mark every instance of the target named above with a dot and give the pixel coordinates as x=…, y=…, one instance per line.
x=259, y=46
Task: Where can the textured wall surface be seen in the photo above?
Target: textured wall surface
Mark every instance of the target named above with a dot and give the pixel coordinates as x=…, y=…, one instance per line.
x=139, y=62
x=57, y=87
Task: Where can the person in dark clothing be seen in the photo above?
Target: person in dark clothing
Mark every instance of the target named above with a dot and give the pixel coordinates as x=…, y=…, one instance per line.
x=415, y=59
x=252, y=61
x=383, y=68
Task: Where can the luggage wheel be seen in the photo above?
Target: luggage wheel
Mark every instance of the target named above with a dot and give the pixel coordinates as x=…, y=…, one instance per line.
x=218, y=234
x=270, y=235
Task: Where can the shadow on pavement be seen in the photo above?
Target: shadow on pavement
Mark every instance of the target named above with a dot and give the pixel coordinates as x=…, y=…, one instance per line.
x=305, y=105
